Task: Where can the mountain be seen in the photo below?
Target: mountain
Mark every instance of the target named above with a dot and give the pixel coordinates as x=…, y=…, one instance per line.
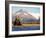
x=24, y=14
x=27, y=16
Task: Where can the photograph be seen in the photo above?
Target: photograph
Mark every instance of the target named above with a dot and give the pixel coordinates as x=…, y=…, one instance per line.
x=25, y=18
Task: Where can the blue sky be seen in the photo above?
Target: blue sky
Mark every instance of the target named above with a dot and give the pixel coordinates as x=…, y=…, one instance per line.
x=27, y=9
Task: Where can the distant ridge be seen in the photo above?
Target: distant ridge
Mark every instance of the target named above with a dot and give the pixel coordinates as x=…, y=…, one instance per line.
x=28, y=17
x=24, y=14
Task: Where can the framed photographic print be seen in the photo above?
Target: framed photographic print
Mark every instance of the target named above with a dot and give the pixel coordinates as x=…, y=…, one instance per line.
x=24, y=18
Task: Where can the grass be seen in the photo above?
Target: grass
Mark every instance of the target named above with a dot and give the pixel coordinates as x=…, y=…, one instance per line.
x=30, y=24
x=26, y=25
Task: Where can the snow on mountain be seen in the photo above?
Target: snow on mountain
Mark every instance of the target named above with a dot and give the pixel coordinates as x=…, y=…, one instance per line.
x=36, y=15
x=24, y=14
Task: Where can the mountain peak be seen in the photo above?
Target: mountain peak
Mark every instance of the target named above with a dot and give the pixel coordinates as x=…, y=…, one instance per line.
x=21, y=11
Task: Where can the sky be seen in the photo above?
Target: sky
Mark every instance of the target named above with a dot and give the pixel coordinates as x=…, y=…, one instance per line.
x=35, y=11
x=27, y=9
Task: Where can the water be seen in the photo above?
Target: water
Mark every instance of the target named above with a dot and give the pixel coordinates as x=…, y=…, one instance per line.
x=25, y=28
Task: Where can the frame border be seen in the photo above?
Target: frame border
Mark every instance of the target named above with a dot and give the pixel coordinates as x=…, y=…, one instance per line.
x=7, y=18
